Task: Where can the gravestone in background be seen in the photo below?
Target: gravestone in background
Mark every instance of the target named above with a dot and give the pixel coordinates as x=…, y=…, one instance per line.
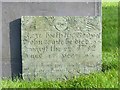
x=60, y=47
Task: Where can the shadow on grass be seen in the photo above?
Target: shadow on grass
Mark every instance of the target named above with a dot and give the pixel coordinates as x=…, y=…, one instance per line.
x=109, y=66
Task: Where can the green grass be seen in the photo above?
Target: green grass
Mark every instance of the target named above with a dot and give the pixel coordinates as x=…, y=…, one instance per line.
x=107, y=78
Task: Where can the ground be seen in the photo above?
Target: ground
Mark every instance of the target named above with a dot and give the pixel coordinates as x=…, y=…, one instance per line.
x=107, y=78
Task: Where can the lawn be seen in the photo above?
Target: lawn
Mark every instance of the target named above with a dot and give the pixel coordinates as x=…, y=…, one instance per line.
x=107, y=78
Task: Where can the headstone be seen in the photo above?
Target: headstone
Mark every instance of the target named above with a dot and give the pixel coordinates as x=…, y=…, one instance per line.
x=60, y=47
x=10, y=32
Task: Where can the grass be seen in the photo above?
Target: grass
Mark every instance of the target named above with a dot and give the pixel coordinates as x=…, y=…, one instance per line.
x=107, y=78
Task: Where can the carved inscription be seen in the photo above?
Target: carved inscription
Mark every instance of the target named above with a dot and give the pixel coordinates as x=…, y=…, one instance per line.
x=60, y=47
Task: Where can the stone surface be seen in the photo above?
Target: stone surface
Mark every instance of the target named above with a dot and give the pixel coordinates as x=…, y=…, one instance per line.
x=59, y=48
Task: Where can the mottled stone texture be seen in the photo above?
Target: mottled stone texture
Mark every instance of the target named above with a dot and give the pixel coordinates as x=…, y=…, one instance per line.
x=59, y=48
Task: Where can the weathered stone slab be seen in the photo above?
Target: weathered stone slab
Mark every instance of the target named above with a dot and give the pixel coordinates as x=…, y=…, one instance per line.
x=59, y=48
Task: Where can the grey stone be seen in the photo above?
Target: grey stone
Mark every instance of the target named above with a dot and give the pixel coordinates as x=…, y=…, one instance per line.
x=50, y=0
x=60, y=47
